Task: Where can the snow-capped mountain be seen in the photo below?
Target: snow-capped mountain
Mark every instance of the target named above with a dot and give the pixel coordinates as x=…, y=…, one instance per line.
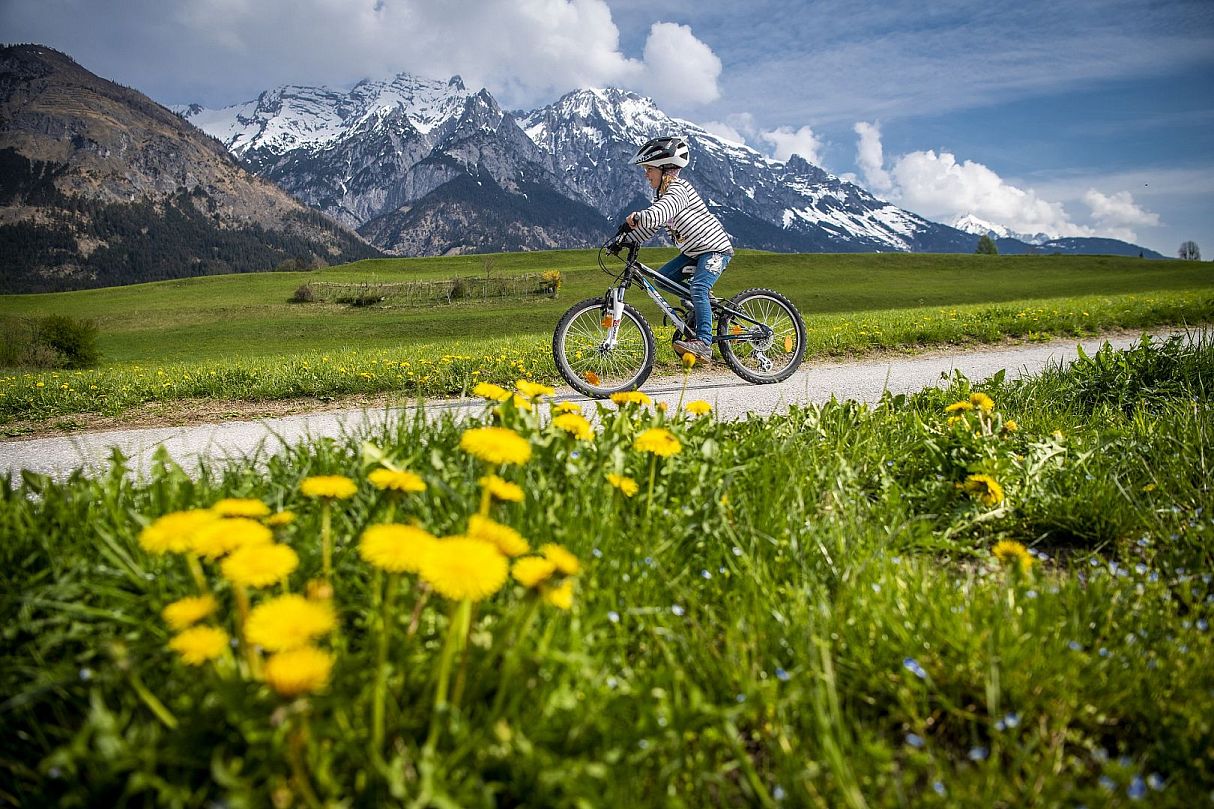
x=592, y=134
x=417, y=166
x=980, y=227
x=423, y=167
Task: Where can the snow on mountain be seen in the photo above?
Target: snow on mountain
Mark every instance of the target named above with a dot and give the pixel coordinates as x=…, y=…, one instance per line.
x=980, y=227
x=592, y=135
x=314, y=118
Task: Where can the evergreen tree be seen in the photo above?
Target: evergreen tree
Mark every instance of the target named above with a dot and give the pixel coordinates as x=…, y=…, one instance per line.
x=986, y=246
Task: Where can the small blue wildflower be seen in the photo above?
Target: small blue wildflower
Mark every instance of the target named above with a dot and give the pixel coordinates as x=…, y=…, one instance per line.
x=782, y=675
x=915, y=740
x=1143, y=543
x=1030, y=594
x=1202, y=624
x=1010, y=720
x=677, y=610
x=737, y=551
x=912, y=665
x=1140, y=568
x=1155, y=781
x=938, y=786
x=575, y=455
x=86, y=674
x=597, y=553
x=740, y=698
x=1103, y=652
x=649, y=561
x=978, y=753
x=778, y=793
x=704, y=574
x=643, y=744
x=1075, y=646
x=876, y=587
x=613, y=616
x=1106, y=783
x=897, y=560
x=612, y=682
x=1137, y=788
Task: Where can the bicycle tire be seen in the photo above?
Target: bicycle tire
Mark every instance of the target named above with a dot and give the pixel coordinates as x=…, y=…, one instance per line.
x=768, y=360
x=583, y=362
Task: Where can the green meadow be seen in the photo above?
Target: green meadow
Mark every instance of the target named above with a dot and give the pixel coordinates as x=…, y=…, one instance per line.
x=241, y=337
x=987, y=594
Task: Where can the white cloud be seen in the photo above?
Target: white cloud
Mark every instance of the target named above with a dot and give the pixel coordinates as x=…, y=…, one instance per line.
x=870, y=157
x=725, y=131
x=1118, y=209
x=680, y=69
x=941, y=187
x=219, y=52
x=787, y=142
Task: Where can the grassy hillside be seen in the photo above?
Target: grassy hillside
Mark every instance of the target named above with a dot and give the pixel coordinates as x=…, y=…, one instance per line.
x=220, y=318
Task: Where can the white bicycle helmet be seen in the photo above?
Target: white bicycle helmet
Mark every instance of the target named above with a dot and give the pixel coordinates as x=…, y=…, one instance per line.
x=663, y=153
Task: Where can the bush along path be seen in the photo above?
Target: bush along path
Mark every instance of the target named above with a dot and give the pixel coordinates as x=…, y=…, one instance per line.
x=975, y=595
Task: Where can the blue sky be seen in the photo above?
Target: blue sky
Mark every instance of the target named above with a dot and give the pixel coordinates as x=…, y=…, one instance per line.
x=1069, y=117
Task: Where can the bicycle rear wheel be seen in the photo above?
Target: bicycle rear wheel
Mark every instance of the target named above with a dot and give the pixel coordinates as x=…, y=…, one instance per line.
x=764, y=353
x=579, y=347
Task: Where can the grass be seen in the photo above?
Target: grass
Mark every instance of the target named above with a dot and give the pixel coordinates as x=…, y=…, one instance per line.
x=803, y=610
x=239, y=337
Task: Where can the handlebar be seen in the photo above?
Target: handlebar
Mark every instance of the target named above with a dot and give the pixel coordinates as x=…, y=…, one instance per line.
x=616, y=242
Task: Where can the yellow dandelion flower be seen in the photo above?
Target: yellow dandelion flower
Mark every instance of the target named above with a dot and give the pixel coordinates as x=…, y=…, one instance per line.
x=199, y=644
x=259, y=565
x=397, y=481
x=1011, y=553
x=461, y=568
x=983, y=402
x=502, y=489
x=565, y=561
x=494, y=393
x=395, y=548
x=959, y=406
x=330, y=487
x=1011, y=426
x=174, y=532
x=496, y=445
x=985, y=488
x=698, y=408
x=627, y=486
x=567, y=407
x=288, y=622
x=240, y=507
x=299, y=671
x=658, y=441
x=280, y=519
x=631, y=397
x=533, y=390
x=689, y=360
x=188, y=611
x=213, y=540
x=503, y=537
x=531, y=571
x=560, y=596
x=574, y=424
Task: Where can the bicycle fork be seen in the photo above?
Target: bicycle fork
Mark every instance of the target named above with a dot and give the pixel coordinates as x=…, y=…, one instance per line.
x=613, y=314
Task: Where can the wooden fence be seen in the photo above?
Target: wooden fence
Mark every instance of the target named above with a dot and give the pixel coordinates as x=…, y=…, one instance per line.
x=428, y=293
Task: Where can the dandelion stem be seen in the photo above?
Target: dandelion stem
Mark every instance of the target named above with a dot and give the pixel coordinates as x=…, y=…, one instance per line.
x=153, y=703
x=456, y=632
x=653, y=468
x=296, y=741
x=196, y=572
x=381, y=669
x=326, y=527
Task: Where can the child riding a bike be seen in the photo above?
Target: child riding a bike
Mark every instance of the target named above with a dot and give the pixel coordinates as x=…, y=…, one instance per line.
x=704, y=246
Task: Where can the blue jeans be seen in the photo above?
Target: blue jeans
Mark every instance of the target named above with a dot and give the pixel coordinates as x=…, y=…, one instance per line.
x=708, y=268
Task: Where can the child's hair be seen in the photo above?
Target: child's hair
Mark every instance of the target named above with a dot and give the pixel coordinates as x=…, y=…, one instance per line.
x=669, y=175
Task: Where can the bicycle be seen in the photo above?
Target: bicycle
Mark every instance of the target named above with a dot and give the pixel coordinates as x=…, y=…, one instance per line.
x=603, y=345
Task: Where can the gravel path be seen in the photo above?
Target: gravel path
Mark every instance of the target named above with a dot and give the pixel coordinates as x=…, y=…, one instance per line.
x=244, y=441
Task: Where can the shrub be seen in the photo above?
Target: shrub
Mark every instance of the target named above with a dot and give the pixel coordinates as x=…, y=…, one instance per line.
x=54, y=341
x=74, y=341
x=305, y=294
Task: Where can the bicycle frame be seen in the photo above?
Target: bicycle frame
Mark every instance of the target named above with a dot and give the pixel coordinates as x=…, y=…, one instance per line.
x=651, y=281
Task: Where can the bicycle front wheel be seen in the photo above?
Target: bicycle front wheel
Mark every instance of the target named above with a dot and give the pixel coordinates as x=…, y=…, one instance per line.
x=770, y=348
x=593, y=366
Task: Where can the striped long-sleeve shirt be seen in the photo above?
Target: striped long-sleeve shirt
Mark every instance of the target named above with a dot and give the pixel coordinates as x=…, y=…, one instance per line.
x=694, y=229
